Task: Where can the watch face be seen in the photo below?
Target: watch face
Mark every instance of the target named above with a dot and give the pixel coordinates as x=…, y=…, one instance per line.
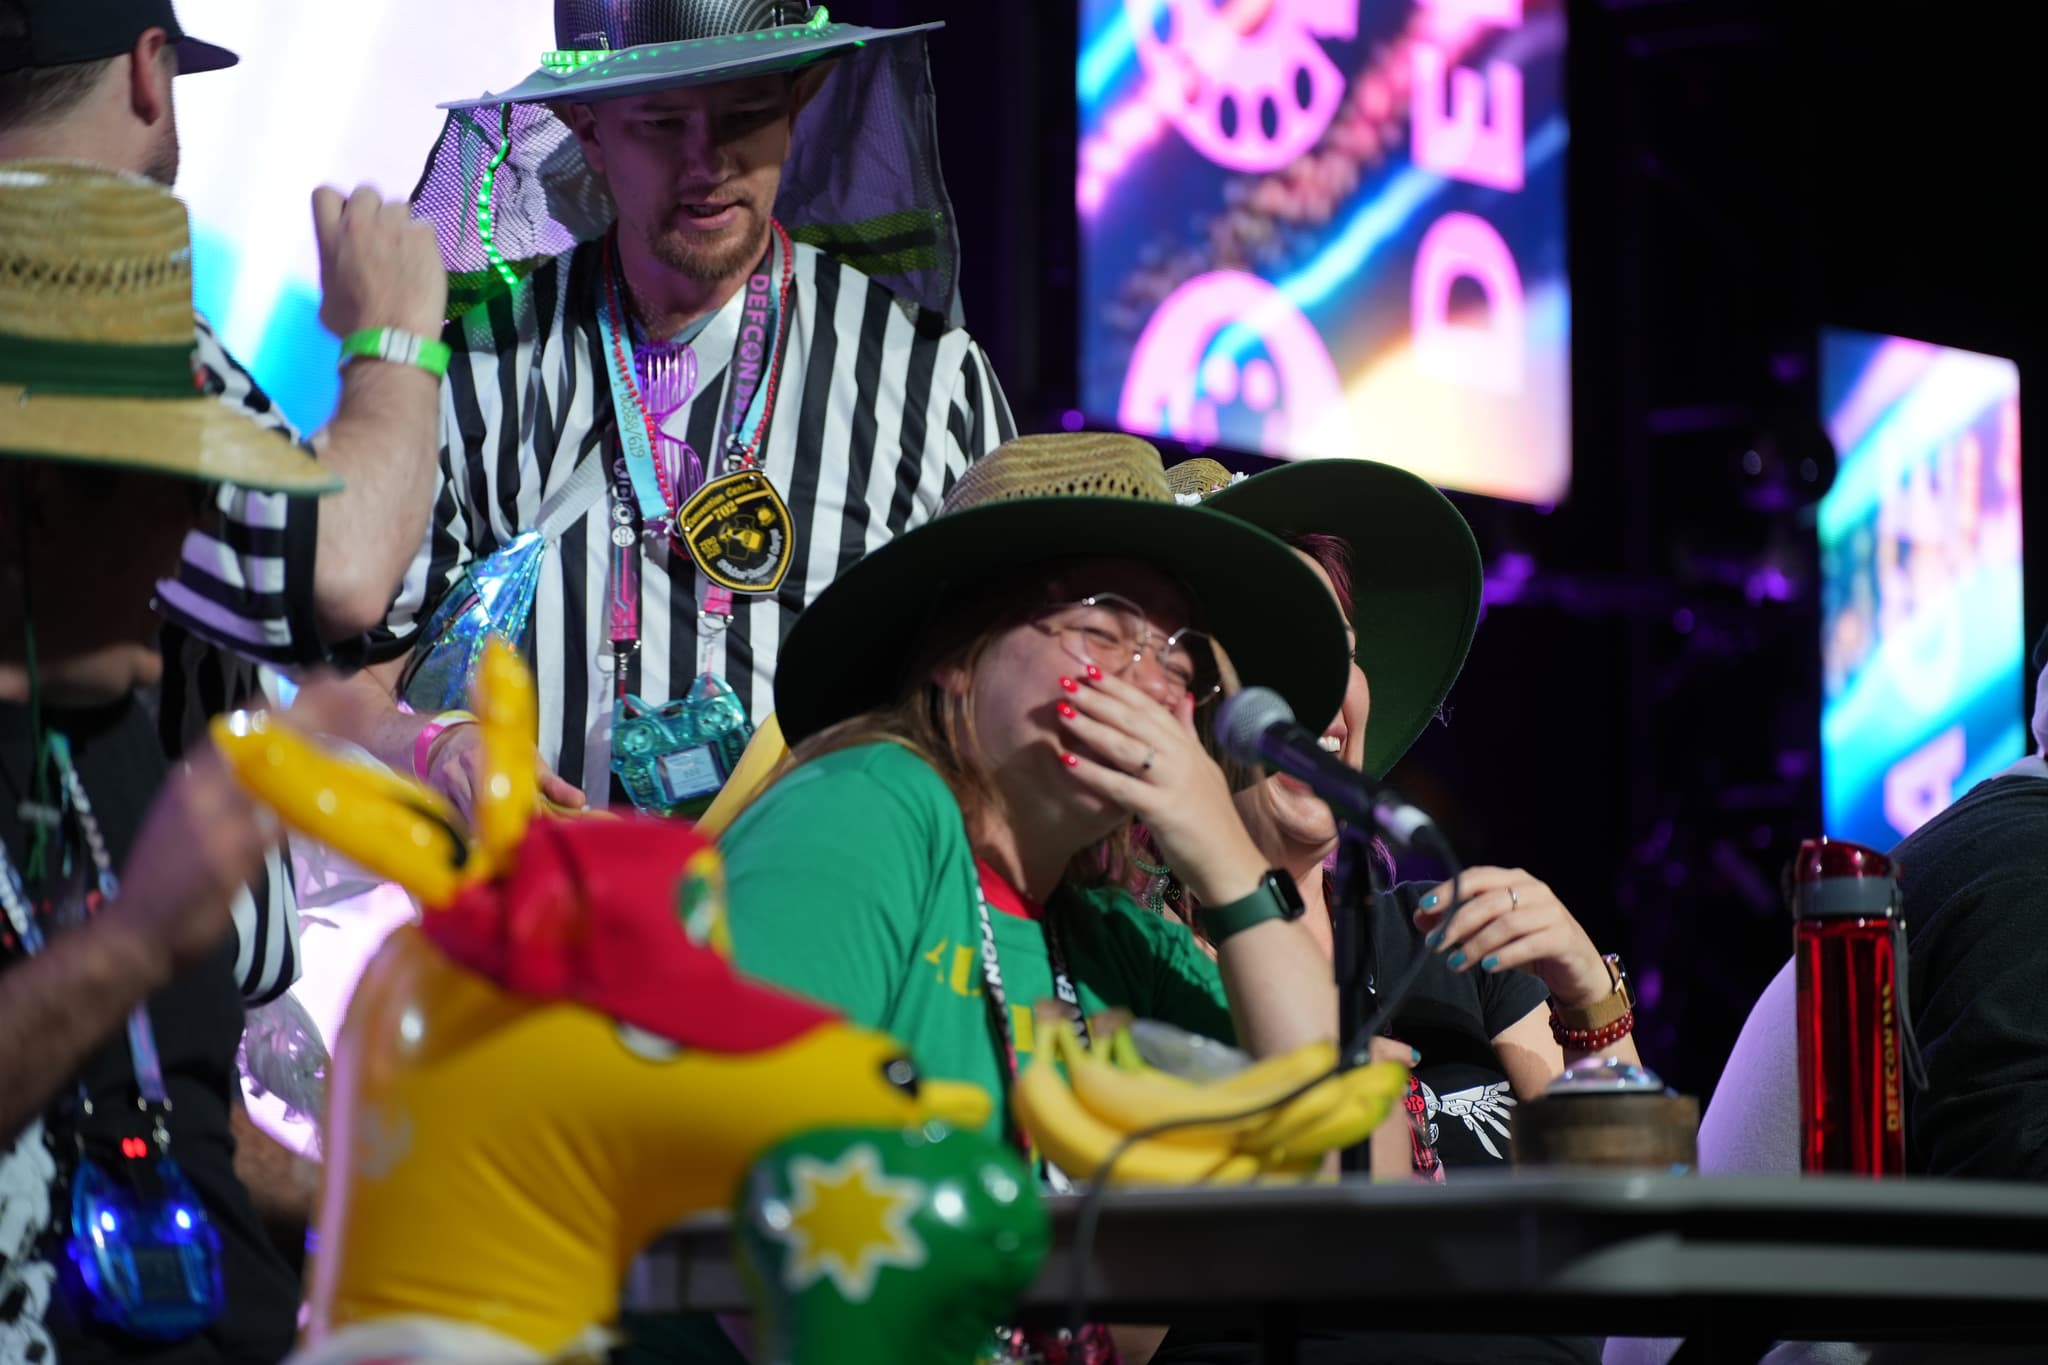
x=1291, y=905
x=1619, y=972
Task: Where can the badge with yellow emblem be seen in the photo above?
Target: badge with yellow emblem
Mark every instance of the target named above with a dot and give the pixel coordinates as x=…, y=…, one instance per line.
x=738, y=532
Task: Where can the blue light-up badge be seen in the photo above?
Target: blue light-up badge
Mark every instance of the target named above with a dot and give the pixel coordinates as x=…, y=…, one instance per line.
x=146, y=1253
x=673, y=759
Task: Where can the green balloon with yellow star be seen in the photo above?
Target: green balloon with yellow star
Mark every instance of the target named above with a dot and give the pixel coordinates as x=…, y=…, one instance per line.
x=868, y=1246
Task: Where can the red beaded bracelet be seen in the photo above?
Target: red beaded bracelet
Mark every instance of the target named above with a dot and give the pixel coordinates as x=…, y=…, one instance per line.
x=1592, y=1039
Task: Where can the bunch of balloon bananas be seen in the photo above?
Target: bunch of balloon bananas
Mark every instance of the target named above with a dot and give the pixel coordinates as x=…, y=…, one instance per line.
x=1271, y=1119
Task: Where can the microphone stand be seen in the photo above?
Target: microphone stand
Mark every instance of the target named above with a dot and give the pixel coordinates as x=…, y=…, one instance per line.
x=1352, y=889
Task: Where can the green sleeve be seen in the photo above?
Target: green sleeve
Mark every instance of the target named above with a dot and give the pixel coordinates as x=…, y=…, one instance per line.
x=1174, y=981
x=828, y=876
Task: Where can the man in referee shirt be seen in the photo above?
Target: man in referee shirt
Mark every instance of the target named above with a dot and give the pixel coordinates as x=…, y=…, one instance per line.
x=751, y=413
x=93, y=84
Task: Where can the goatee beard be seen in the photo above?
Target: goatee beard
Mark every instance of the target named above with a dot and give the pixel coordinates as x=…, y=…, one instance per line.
x=710, y=262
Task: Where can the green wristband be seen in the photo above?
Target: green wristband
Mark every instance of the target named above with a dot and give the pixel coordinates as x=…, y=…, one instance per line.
x=1275, y=898
x=400, y=348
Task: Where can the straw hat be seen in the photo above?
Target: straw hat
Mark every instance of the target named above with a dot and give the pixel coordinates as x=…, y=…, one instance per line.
x=97, y=340
x=1041, y=498
x=1416, y=579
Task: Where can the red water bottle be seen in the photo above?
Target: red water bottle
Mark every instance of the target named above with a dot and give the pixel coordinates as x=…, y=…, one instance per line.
x=1849, y=950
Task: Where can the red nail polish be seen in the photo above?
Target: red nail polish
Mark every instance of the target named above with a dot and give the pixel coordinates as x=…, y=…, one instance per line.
x=1070, y=684
x=1094, y=673
x=1070, y=760
x=1068, y=711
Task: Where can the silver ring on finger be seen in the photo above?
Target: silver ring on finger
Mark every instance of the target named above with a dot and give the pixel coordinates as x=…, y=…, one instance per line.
x=1513, y=899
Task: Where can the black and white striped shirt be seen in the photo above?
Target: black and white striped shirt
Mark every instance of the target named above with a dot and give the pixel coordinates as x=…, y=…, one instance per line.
x=879, y=408
x=243, y=594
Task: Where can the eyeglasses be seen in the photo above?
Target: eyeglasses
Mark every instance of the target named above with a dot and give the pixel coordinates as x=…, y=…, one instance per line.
x=1113, y=633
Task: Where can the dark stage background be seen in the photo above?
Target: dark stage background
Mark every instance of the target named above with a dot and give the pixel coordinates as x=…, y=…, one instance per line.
x=1631, y=727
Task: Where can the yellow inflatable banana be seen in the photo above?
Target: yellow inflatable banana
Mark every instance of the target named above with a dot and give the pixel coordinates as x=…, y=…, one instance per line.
x=764, y=752
x=509, y=714
x=394, y=827
x=1079, y=1142
x=1132, y=1098
x=1254, y=1129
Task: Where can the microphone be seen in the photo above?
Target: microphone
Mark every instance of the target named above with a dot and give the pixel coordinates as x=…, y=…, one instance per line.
x=1257, y=726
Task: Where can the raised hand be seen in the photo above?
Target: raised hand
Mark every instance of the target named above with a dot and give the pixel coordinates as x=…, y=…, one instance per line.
x=378, y=266
x=1508, y=919
x=1149, y=761
x=199, y=845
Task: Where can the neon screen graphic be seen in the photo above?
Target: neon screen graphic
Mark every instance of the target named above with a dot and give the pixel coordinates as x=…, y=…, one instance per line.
x=1330, y=228
x=1923, y=637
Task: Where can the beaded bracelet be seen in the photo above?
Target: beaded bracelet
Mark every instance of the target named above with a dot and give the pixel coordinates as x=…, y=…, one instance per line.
x=1591, y=1039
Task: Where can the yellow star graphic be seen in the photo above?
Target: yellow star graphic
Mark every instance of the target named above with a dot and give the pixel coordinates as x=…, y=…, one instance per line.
x=848, y=1219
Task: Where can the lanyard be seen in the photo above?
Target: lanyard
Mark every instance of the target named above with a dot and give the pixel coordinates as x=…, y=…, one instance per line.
x=644, y=499
x=622, y=598
x=1094, y=1344
x=999, y=1012
x=149, y=1075
x=761, y=342
x=622, y=585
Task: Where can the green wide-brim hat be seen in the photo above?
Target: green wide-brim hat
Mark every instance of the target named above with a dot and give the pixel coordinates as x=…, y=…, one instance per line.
x=1037, y=499
x=1416, y=576
x=582, y=76
x=97, y=341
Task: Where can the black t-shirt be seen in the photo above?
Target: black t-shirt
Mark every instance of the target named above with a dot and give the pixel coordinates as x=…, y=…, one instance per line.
x=198, y=1023
x=1452, y=1018
x=1974, y=881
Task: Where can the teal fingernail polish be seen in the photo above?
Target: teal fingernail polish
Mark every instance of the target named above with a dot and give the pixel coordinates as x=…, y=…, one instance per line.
x=1489, y=964
x=1429, y=901
x=1414, y=1055
x=1435, y=939
x=1455, y=960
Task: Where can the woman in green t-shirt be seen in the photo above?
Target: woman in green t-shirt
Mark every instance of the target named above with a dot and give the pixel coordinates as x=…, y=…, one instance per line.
x=978, y=711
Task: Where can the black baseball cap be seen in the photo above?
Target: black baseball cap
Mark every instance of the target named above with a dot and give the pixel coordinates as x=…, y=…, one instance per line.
x=66, y=32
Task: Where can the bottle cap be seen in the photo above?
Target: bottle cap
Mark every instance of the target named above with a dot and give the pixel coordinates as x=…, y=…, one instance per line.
x=1831, y=877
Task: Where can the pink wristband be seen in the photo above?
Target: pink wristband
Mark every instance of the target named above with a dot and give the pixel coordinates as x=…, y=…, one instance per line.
x=423, y=747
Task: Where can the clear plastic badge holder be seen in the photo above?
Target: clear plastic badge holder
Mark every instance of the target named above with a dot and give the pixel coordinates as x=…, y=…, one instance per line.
x=674, y=759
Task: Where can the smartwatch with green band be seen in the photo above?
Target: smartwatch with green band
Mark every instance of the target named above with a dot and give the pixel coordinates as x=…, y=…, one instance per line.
x=1276, y=897
x=400, y=348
